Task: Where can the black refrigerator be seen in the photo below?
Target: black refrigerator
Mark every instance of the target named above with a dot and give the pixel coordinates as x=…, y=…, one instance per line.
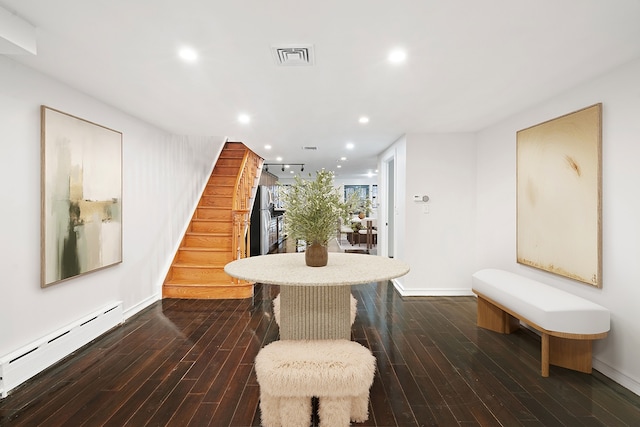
x=261, y=220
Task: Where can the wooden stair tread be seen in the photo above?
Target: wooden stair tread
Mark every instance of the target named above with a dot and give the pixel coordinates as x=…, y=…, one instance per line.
x=204, y=233
x=219, y=266
x=201, y=249
x=201, y=283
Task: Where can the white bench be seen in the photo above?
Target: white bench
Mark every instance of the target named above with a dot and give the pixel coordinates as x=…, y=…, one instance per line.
x=568, y=323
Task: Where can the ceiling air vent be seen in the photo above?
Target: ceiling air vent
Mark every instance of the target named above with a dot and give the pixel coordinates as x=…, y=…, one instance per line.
x=293, y=55
x=310, y=148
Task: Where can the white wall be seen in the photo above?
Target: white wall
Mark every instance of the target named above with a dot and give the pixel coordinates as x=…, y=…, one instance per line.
x=163, y=176
x=438, y=236
x=616, y=356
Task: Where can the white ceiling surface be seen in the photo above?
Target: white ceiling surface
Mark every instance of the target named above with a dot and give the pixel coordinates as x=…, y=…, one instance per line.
x=470, y=64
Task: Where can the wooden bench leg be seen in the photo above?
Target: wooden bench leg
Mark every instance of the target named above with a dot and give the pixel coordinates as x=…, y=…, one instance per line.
x=566, y=353
x=544, y=355
x=495, y=319
x=571, y=354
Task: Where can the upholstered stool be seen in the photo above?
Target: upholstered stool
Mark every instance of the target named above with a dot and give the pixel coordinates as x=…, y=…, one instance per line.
x=276, y=309
x=338, y=372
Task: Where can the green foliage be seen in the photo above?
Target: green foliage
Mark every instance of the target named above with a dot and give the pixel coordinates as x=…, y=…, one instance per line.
x=313, y=208
x=356, y=226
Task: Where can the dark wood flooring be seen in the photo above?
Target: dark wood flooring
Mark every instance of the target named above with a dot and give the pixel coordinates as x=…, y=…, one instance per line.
x=190, y=363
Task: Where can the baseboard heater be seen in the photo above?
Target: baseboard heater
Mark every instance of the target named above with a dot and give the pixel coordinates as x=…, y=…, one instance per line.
x=26, y=362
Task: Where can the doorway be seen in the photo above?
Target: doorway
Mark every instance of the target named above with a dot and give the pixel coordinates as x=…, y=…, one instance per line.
x=390, y=206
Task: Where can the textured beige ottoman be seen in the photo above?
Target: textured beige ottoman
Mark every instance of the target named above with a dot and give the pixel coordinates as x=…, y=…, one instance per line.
x=338, y=372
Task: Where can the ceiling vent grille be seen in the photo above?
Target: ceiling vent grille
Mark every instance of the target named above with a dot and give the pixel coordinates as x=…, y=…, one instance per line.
x=310, y=148
x=293, y=55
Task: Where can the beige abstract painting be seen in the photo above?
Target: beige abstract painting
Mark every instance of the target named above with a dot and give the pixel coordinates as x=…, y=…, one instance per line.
x=559, y=181
x=81, y=196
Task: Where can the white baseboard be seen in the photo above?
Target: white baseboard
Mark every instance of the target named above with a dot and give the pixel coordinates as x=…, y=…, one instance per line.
x=141, y=305
x=433, y=292
x=22, y=364
x=617, y=376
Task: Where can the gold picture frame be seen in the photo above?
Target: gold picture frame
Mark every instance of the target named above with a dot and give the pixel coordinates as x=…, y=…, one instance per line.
x=559, y=195
x=81, y=171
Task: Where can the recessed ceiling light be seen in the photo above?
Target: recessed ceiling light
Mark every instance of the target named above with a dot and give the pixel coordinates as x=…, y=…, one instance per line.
x=397, y=56
x=244, y=118
x=343, y=158
x=278, y=159
x=188, y=54
x=363, y=119
x=267, y=147
x=339, y=166
x=350, y=146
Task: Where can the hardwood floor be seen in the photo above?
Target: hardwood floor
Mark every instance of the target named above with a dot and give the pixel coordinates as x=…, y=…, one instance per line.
x=190, y=363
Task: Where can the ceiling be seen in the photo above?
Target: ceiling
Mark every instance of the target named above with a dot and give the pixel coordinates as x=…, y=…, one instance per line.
x=469, y=65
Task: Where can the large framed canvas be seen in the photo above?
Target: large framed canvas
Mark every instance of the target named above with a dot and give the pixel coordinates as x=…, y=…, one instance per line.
x=559, y=207
x=81, y=196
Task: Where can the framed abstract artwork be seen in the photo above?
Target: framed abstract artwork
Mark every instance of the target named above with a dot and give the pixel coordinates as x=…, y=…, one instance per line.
x=81, y=171
x=362, y=192
x=559, y=201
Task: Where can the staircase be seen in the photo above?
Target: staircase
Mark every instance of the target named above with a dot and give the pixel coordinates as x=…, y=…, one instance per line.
x=218, y=232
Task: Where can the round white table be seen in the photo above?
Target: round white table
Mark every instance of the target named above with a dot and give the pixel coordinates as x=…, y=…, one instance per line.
x=315, y=301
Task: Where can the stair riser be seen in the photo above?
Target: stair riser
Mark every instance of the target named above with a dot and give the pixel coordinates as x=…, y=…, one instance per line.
x=208, y=292
x=212, y=226
x=217, y=214
x=221, y=180
x=232, y=154
x=218, y=190
x=226, y=171
x=200, y=275
x=204, y=257
x=221, y=243
x=216, y=202
x=234, y=162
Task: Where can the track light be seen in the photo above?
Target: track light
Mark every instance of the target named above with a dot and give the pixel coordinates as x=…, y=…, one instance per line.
x=283, y=166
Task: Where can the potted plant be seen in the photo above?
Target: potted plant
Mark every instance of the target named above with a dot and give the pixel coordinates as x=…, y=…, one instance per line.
x=313, y=210
x=365, y=208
